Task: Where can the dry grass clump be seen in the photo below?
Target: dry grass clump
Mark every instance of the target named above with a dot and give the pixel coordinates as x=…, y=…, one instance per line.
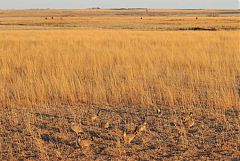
x=120, y=68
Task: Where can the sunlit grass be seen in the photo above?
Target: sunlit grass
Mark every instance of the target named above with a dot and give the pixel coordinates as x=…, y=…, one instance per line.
x=120, y=67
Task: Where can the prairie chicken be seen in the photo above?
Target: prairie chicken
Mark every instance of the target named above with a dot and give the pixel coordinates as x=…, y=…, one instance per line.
x=128, y=138
x=141, y=128
x=188, y=120
x=94, y=117
x=105, y=125
x=84, y=143
x=76, y=128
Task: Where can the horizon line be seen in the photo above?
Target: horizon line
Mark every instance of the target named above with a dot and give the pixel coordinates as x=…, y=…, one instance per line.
x=121, y=8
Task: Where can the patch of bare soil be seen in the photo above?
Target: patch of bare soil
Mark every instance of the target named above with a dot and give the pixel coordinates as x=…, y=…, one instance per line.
x=45, y=133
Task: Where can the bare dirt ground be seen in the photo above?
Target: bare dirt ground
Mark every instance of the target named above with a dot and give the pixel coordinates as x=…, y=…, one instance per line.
x=44, y=133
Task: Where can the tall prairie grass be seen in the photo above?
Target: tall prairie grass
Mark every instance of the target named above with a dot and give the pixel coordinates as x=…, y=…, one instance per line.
x=147, y=68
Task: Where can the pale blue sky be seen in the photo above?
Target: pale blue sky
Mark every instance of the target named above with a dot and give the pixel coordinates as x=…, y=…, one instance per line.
x=161, y=4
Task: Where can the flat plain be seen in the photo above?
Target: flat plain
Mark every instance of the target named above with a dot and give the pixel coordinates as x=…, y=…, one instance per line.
x=177, y=72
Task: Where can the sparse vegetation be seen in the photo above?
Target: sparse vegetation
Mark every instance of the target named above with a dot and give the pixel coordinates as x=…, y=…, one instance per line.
x=95, y=91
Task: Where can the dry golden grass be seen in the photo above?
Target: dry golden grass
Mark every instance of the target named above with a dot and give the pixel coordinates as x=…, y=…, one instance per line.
x=101, y=76
x=120, y=67
x=127, y=22
x=121, y=19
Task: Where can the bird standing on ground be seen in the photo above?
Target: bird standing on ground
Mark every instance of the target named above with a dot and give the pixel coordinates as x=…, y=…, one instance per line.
x=84, y=143
x=76, y=128
x=188, y=120
x=141, y=128
x=189, y=123
x=187, y=116
x=128, y=138
x=94, y=117
x=105, y=125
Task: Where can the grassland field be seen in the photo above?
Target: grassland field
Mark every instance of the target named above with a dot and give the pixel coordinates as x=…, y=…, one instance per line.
x=178, y=71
